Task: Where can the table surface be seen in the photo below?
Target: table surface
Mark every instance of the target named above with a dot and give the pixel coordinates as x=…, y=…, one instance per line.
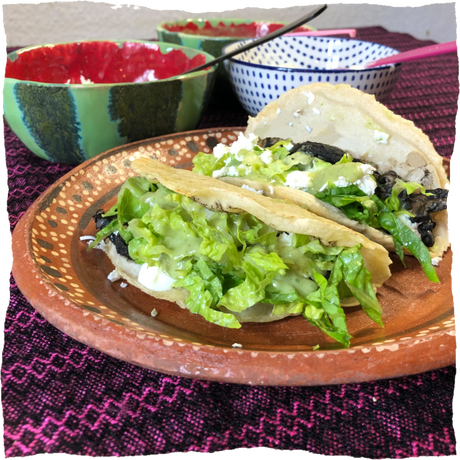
x=59, y=395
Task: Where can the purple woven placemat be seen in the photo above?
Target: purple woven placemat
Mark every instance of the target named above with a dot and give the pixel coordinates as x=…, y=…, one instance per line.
x=61, y=396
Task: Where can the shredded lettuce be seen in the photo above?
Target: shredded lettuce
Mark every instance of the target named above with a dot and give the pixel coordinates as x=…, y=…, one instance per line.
x=393, y=202
x=356, y=205
x=323, y=310
x=229, y=262
x=404, y=237
x=128, y=206
x=253, y=164
x=376, y=213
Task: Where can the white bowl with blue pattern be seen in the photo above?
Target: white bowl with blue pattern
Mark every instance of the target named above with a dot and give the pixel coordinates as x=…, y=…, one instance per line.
x=260, y=75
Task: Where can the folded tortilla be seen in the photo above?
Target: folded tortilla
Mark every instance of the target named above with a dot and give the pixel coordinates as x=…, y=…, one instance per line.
x=129, y=271
x=278, y=214
x=282, y=216
x=344, y=117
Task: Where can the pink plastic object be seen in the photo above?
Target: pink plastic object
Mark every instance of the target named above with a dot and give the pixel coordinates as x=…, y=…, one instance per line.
x=419, y=53
x=319, y=33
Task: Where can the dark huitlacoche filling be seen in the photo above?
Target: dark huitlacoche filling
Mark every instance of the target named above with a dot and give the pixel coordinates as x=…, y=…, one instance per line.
x=324, y=152
x=422, y=206
x=120, y=244
x=385, y=183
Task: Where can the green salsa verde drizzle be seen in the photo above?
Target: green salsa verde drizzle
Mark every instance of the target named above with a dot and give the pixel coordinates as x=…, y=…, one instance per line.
x=236, y=261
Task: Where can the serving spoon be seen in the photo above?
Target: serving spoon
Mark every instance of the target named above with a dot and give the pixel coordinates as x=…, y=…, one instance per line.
x=287, y=28
x=323, y=33
x=412, y=55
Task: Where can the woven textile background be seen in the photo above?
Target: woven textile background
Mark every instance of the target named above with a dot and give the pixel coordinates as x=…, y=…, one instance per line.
x=60, y=396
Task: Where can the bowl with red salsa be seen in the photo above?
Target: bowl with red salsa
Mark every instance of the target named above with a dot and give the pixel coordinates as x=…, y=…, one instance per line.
x=68, y=102
x=211, y=36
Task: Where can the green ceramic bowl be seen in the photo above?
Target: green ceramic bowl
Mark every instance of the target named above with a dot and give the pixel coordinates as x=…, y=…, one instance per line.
x=211, y=36
x=69, y=102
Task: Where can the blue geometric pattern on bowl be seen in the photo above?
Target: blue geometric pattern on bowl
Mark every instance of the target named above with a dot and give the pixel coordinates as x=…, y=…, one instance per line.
x=260, y=75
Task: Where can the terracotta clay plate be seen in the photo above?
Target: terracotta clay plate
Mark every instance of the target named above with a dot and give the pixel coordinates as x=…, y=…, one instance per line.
x=68, y=285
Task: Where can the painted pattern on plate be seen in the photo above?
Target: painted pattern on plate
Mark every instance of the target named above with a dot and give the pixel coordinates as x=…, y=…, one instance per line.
x=64, y=215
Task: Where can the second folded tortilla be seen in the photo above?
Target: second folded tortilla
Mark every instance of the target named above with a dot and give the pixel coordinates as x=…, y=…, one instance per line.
x=344, y=117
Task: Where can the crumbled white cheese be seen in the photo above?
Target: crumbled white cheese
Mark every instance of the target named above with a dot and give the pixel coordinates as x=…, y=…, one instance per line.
x=285, y=239
x=220, y=150
x=381, y=137
x=315, y=110
x=155, y=278
x=310, y=96
x=123, y=285
x=289, y=146
x=298, y=179
x=308, y=128
x=367, y=169
x=219, y=172
x=271, y=189
x=237, y=345
x=246, y=187
x=232, y=171
x=291, y=124
x=113, y=276
x=154, y=312
x=226, y=171
x=366, y=184
x=278, y=111
x=296, y=113
x=341, y=182
x=266, y=157
x=243, y=142
x=435, y=261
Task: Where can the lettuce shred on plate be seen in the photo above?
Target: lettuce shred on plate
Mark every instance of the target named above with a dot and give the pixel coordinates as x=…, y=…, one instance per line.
x=348, y=185
x=235, y=260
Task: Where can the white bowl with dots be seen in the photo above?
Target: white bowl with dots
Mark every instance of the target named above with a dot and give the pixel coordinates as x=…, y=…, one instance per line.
x=260, y=75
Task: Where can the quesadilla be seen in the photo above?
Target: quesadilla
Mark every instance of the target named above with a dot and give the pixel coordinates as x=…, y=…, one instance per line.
x=235, y=256
x=342, y=155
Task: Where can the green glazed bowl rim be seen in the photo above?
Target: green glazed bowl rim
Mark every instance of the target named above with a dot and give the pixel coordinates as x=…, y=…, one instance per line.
x=168, y=46
x=160, y=27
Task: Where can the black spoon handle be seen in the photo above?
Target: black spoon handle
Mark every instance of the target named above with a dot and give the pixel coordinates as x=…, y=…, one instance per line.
x=287, y=28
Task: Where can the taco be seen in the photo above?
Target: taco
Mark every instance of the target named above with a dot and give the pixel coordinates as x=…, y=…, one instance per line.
x=234, y=256
x=344, y=156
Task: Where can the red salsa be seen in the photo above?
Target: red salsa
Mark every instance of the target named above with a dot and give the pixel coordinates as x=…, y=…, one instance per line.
x=99, y=62
x=250, y=30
